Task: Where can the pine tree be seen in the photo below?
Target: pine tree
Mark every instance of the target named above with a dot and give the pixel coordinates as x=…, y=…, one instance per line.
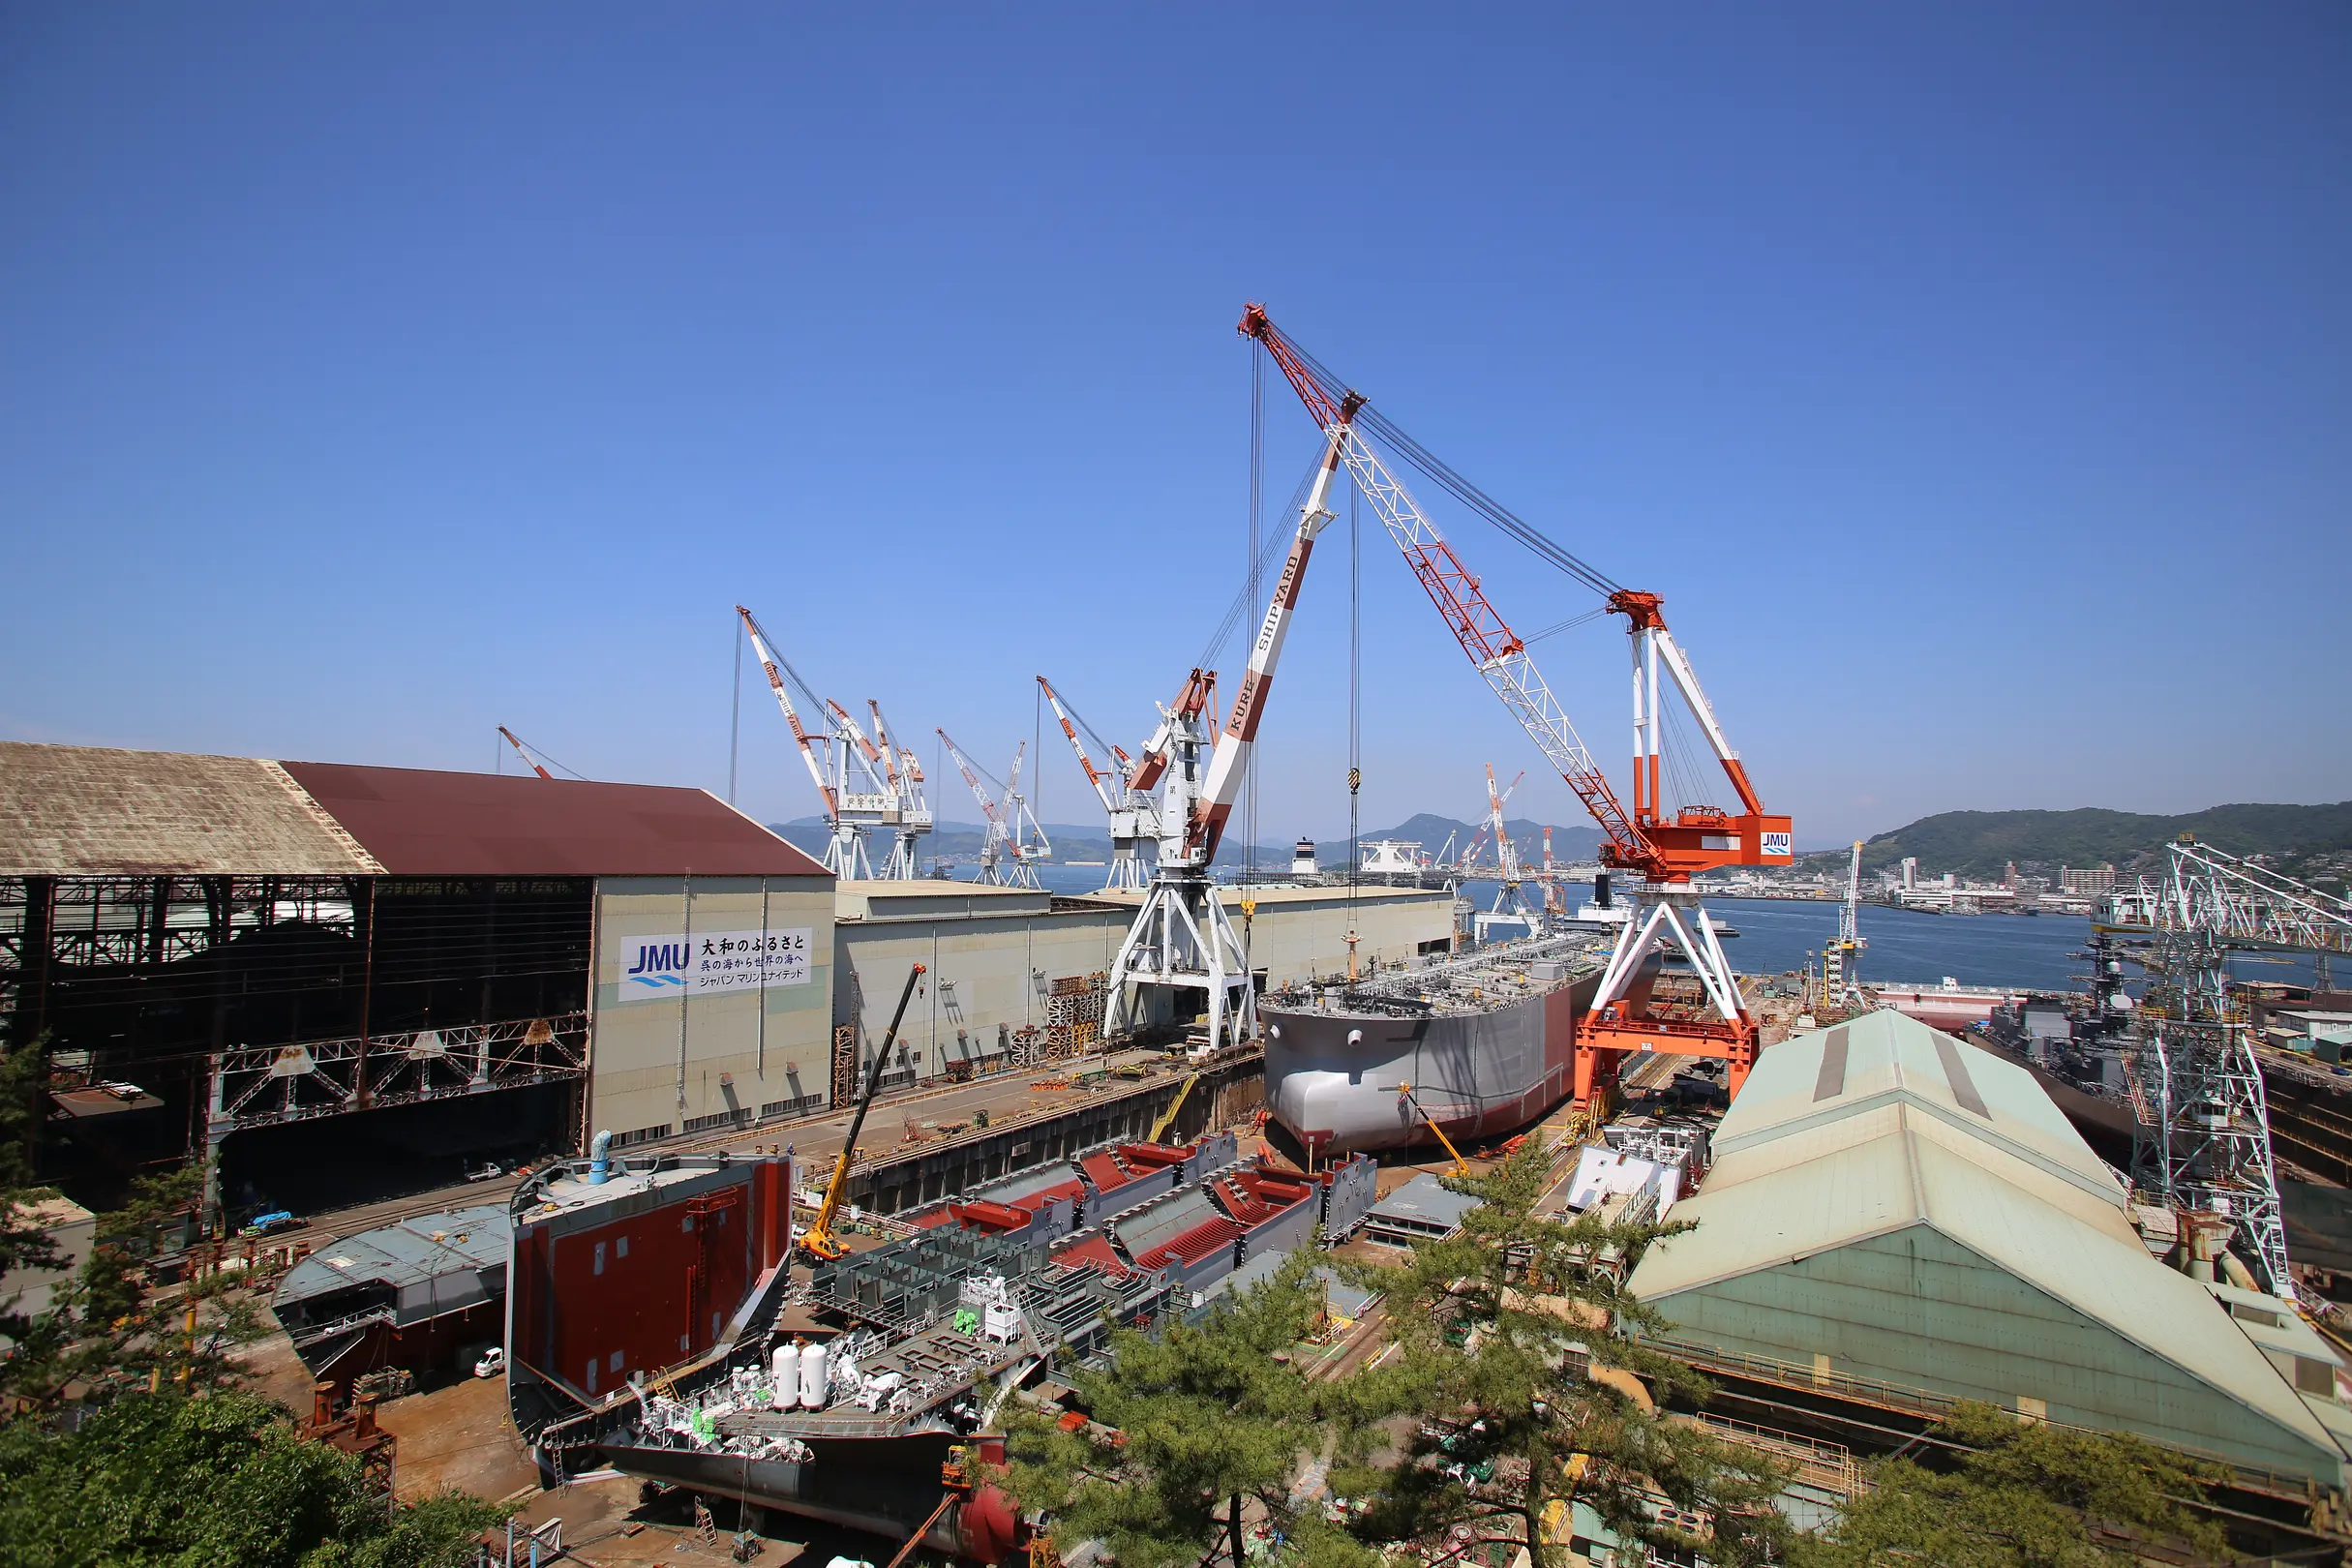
x=2005, y=1494
x=1190, y=1426
x=1520, y=1352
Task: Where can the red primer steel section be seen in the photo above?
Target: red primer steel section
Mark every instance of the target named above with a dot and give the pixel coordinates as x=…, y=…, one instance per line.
x=1093, y=1253
x=1106, y=1173
x=1152, y=1156
x=645, y=1292
x=420, y=823
x=1194, y=1245
x=986, y=1216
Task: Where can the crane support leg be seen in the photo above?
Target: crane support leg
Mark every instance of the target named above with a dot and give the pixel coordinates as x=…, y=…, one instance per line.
x=1627, y=1015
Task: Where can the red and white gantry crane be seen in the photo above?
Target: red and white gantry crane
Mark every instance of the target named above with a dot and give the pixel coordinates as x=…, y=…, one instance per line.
x=1134, y=813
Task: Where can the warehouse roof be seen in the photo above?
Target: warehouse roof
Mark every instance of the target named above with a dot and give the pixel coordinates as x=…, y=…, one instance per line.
x=1861, y=1132
x=92, y=812
x=95, y=811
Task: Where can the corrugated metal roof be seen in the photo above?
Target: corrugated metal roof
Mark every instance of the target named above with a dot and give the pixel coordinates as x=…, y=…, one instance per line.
x=1427, y=1200
x=1884, y=1058
x=2004, y=1185
x=427, y=824
x=95, y=811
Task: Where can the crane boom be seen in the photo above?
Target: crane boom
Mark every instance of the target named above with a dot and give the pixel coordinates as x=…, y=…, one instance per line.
x=774, y=667
x=819, y=1238
x=522, y=751
x=1094, y=776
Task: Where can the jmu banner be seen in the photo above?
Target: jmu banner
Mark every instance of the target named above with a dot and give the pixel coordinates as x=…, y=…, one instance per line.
x=704, y=963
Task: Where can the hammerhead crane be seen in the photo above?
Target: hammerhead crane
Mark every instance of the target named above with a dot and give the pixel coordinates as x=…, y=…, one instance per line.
x=1664, y=850
x=1181, y=939
x=1134, y=815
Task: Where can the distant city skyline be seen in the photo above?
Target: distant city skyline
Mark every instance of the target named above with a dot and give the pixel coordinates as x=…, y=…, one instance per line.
x=1972, y=383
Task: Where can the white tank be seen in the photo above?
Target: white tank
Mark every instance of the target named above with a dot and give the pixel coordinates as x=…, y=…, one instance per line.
x=784, y=1376
x=812, y=1377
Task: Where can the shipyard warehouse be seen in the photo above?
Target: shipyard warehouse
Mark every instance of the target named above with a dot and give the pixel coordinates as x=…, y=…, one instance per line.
x=332, y=984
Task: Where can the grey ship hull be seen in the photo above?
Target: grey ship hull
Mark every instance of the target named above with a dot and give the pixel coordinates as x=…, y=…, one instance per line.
x=1332, y=1078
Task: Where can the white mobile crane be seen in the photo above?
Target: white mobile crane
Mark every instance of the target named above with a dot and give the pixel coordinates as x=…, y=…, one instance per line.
x=1134, y=813
x=1013, y=832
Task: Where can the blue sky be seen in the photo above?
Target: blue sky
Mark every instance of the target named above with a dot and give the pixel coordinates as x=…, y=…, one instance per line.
x=1973, y=382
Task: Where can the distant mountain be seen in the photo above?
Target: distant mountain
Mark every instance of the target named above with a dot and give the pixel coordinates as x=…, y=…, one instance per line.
x=1984, y=843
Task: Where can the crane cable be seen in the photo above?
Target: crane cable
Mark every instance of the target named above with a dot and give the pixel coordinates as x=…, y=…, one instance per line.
x=1386, y=433
x=1263, y=560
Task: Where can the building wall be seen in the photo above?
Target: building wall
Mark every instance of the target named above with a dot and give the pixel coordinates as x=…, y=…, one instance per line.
x=666, y=1052
x=989, y=970
x=1919, y=1308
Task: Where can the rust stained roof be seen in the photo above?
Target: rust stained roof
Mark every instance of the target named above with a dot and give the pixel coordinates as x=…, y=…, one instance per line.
x=95, y=811
x=426, y=823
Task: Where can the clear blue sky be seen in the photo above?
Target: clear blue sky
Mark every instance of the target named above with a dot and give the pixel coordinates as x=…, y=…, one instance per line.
x=1975, y=382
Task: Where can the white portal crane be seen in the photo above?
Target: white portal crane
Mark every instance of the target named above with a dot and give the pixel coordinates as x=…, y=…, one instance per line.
x=1510, y=897
x=1134, y=813
x=1181, y=939
x=1010, y=832
x=1841, y=972
x=904, y=775
x=857, y=798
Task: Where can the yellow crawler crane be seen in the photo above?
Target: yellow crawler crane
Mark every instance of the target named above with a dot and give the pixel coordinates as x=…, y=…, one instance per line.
x=819, y=1240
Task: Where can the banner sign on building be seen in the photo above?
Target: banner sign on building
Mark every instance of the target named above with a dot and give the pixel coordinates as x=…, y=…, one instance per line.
x=711, y=962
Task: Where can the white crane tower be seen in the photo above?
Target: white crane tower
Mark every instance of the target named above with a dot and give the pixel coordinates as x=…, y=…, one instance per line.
x=1181, y=939
x=1134, y=815
x=862, y=784
x=1013, y=832
x=1841, y=972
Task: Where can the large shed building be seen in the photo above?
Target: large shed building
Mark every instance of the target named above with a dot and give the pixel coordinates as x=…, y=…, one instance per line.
x=243, y=946
x=1900, y=1216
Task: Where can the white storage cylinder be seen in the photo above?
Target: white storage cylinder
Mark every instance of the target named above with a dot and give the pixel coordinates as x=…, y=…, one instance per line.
x=812, y=1377
x=784, y=1376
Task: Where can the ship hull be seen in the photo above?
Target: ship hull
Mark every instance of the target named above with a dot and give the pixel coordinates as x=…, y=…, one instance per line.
x=1332, y=1078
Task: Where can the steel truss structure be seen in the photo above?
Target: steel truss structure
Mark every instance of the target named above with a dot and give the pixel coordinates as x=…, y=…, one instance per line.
x=2203, y=1140
x=271, y=1085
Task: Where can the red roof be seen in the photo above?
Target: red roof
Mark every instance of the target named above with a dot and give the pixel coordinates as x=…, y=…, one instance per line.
x=418, y=822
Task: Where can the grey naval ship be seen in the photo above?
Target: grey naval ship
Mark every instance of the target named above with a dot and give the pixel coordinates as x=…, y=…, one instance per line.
x=1477, y=1046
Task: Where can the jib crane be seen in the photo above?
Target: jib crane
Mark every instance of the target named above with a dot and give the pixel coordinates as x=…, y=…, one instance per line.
x=1664, y=850
x=524, y=752
x=848, y=760
x=1841, y=971
x=1134, y=815
x=1182, y=938
x=903, y=772
x=1509, y=897
x=1011, y=832
x=819, y=1239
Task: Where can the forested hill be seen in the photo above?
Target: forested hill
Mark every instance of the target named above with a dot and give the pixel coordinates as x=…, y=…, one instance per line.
x=1981, y=843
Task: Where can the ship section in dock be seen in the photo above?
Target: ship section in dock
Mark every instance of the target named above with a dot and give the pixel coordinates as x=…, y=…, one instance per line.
x=1486, y=1044
x=857, y=1390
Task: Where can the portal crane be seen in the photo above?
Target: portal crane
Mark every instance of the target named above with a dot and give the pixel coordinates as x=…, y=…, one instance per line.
x=904, y=774
x=1841, y=972
x=1134, y=815
x=1010, y=832
x=1182, y=938
x=848, y=813
x=1664, y=850
x=1509, y=899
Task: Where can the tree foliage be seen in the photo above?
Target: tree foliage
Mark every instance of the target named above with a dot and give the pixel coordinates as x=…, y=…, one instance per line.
x=188, y=1482
x=1189, y=1426
x=2017, y=1496
x=1519, y=1346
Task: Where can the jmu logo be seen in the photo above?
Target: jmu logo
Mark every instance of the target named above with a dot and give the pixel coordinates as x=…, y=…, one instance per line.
x=1778, y=844
x=657, y=964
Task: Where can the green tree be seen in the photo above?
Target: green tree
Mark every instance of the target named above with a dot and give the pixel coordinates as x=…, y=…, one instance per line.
x=1520, y=1351
x=2012, y=1494
x=166, y=1480
x=33, y=1342
x=1191, y=1424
